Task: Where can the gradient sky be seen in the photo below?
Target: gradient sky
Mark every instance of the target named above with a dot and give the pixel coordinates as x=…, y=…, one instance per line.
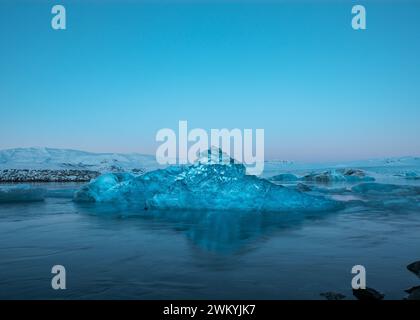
x=123, y=70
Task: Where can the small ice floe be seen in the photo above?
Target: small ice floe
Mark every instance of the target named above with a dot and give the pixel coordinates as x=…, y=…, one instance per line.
x=21, y=193
x=368, y=294
x=409, y=175
x=379, y=188
x=412, y=176
x=390, y=196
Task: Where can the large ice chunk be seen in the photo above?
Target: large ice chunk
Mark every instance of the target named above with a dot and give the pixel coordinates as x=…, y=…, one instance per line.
x=21, y=193
x=107, y=187
x=201, y=186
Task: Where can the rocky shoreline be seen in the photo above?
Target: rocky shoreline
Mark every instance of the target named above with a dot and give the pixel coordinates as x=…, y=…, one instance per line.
x=45, y=175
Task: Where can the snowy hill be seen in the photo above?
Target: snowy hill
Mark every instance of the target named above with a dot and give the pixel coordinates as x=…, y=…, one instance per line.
x=64, y=159
x=64, y=165
x=49, y=164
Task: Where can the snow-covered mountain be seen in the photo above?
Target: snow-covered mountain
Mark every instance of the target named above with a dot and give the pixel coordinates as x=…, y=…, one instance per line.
x=67, y=159
x=49, y=164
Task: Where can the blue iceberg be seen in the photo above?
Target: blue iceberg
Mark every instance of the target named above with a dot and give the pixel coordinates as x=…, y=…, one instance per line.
x=200, y=186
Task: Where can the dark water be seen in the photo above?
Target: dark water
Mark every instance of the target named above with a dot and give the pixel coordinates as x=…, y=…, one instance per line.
x=117, y=253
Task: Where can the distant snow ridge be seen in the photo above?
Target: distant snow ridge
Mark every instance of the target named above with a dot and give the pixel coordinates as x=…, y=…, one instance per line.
x=48, y=164
x=212, y=186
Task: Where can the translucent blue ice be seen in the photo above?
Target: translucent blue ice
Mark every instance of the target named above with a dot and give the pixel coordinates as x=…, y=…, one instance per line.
x=201, y=186
x=285, y=177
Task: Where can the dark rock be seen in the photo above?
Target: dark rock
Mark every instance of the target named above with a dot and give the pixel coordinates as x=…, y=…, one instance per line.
x=354, y=173
x=413, y=293
x=412, y=289
x=414, y=268
x=368, y=294
x=323, y=177
x=137, y=171
x=333, y=295
x=45, y=175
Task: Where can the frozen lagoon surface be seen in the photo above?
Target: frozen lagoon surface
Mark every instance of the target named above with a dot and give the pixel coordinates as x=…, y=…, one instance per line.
x=115, y=251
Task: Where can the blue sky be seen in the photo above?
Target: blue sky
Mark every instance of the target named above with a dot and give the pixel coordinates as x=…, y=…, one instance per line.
x=123, y=70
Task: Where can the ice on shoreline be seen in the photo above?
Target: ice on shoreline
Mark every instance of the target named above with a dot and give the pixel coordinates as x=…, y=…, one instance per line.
x=213, y=185
x=328, y=176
